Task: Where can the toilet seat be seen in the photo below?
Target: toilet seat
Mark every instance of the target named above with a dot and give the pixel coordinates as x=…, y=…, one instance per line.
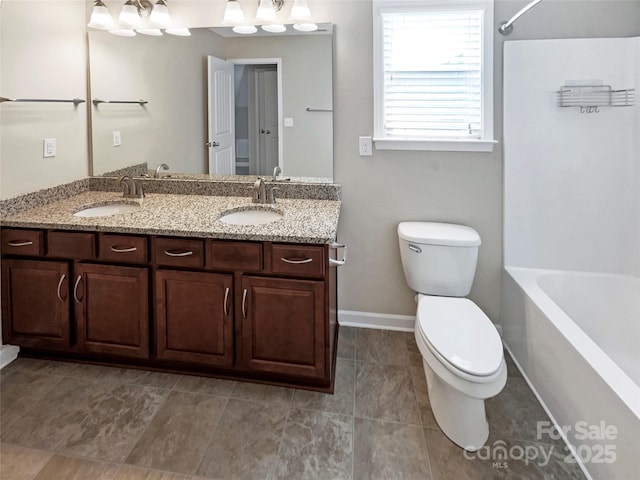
x=461, y=336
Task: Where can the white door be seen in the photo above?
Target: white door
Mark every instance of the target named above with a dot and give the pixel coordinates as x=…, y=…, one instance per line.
x=221, y=117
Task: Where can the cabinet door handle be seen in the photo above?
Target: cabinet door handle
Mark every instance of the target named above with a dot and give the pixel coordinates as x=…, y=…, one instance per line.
x=226, y=298
x=297, y=262
x=117, y=249
x=178, y=253
x=60, y=286
x=244, y=304
x=75, y=289
x=20, y=243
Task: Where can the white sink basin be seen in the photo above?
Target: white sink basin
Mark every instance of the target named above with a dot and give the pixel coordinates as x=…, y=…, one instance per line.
x=250, y=217
x=106, y=210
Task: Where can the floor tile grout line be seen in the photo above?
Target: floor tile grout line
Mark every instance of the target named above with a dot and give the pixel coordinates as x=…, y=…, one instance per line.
x=211, y=435
x=272, y=475
x=144, y=430
x=44, y=394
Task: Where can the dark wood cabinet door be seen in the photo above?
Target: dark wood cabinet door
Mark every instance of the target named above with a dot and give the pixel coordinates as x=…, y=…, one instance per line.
x=194, y=317
x=283, y=328
x=112, y=309
x=35, y=304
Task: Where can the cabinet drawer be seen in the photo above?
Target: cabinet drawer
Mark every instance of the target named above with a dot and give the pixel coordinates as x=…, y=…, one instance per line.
x=246, y=256
x=22, y=242
x=122, y=248
x=71, y=245
x=179, y=252
x=301, y=260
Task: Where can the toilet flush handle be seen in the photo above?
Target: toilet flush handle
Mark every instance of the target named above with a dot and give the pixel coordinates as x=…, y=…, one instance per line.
x=415, y=248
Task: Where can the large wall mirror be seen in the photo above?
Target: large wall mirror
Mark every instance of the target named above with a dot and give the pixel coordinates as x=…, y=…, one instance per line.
x=280, y=112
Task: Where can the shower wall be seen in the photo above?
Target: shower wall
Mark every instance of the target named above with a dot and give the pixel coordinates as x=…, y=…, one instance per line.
x=571, y=179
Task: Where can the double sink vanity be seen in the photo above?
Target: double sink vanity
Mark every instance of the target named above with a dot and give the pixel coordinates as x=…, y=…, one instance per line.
x=213, y=284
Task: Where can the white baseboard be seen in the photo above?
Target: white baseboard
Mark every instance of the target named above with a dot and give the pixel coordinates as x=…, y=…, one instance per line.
x=8, y=353
x=380, y=321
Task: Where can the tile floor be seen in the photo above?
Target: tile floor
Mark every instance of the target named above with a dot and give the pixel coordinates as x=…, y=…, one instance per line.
x=71, y=421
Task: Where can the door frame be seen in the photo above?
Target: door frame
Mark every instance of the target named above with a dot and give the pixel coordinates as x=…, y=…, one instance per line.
x=278, y=63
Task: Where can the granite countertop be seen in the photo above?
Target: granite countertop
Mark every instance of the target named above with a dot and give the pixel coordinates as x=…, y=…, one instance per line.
x=304, y=221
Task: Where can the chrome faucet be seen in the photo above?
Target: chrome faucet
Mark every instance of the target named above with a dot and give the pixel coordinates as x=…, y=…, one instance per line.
x=162, y=166
x=259, y=191
x=129, y=187
x=276, y=171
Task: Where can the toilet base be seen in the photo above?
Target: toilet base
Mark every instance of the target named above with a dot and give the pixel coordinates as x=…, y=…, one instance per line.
x=462, y=418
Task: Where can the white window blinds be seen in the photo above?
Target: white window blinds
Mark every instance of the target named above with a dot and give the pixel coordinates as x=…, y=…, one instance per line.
x=432, y=74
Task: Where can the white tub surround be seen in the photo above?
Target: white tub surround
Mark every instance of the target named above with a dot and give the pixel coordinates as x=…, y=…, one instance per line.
x=571, y=286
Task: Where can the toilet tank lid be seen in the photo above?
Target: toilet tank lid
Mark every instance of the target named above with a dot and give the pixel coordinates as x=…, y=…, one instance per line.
x=433, y=233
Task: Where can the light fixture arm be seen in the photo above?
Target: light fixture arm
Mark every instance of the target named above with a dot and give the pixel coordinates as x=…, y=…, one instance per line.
x=144, y=7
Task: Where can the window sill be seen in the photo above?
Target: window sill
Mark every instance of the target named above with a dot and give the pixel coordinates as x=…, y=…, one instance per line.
x=436, y=145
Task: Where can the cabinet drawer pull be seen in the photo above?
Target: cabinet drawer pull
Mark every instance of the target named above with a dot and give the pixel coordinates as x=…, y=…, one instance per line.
x=118, y=249
x=244, y=304
x=297, y=262
x=178, y=253
x=226, y=299
x=20, y=243
x=75, y=289
x=59, y=286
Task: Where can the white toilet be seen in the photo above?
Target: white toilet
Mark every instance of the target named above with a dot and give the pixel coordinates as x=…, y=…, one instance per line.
x=461, y=350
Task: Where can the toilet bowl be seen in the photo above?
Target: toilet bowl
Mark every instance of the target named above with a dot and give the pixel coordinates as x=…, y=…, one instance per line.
x=461, y=350
x=463, y=363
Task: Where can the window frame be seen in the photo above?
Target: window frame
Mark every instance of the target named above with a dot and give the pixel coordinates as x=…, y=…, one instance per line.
x=486, y=142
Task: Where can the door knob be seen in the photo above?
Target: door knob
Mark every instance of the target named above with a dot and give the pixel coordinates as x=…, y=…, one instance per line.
x=268, y=132
x=212, y=144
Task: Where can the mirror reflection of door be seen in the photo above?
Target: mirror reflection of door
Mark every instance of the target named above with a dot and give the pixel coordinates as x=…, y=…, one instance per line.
x=244, y=117
x=257, y=119
x=221, y=116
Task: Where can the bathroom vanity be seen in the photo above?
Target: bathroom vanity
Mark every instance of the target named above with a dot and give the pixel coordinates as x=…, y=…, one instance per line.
x=171, y=287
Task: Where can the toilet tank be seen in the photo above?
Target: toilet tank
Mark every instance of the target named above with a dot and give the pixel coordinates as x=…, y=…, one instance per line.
x=439, y=258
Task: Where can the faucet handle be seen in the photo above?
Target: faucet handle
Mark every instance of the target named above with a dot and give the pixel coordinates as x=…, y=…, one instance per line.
x=272, y=194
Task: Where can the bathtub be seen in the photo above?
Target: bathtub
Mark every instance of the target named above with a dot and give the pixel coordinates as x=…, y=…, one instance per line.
x=576, y=338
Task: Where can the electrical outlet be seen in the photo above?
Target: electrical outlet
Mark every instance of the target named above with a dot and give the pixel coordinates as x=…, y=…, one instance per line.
x=366, y=146
x=117, y=139
x=288, y=122
x=49, y=147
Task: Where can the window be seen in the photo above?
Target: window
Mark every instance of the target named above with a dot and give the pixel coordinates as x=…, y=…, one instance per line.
x=433, y=75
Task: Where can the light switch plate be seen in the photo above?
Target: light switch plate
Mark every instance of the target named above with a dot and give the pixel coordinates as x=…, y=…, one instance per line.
x=117, y=139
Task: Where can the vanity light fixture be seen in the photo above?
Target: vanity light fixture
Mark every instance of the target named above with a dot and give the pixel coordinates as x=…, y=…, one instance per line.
x=140, y=16
x=160, y=17
x=100, y=17
x=301, y=17
x=233, y=16
x=266, y=16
